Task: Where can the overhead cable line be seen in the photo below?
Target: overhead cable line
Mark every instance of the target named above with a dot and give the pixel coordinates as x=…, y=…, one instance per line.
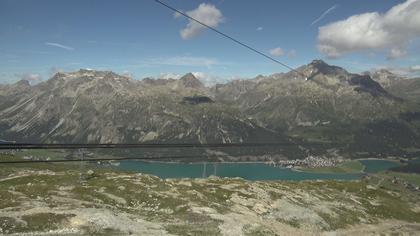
x=104, y=159
x=230, y=37
x=5, y=146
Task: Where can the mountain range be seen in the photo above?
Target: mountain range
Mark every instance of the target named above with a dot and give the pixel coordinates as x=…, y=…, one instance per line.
x=356, y=114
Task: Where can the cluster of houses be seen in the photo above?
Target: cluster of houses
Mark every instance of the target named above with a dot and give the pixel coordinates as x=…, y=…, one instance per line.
x=310, y=161
x=35, y=158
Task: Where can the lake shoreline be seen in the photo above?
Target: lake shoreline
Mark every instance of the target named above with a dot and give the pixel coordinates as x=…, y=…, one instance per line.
x=246, y=170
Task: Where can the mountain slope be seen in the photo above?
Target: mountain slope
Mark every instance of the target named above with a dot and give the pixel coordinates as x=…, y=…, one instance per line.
x=385, y=78
x=330, y=94
x=92, y=106
x=408, y=89
x=332, y=106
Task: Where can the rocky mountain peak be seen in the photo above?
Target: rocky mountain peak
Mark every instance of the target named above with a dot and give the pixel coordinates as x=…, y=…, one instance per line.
x=385, y=73
x=85, y=70
x=318, y=63
x=365, y=83
x=157, y=82
x=190, y=81
x=17, y=88
x=384, y=77
x=319, y=70
x=23, y=83
x=91, y=75
x=95, y=73
x=59, y=75
x=112, y=75
x=321, y=67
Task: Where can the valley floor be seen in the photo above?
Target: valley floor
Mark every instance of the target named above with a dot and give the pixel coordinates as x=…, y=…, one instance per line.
x=49, y=199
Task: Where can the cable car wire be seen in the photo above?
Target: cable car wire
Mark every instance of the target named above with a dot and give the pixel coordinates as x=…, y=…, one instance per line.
x=230, y=37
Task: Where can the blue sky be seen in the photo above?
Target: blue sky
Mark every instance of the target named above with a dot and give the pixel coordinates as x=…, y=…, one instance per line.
x=143, y=39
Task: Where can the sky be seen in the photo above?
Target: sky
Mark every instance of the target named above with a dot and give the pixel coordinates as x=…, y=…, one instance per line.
x=144, y=39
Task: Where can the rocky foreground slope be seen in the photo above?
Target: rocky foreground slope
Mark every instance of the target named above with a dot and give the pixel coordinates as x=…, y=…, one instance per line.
x=50, y=200
x=330, y=105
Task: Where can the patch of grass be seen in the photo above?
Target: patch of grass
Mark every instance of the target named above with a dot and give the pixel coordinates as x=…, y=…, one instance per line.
x=40, y=185
x=391, y=206
x=35, y=222
x=8, y=225
x=342, y=218
x=409, y=177
x=43, y=221
x=352, y=166
x=257, y=231
x=101, y=232
x=7, y=198
x=214, y=197
x=209, y=228
x=275, y=195
x=292, y=222
x=44, y=153
x=346, y=167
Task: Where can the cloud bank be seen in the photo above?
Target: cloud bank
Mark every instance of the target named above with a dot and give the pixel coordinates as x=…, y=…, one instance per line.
x=169, y=76
x=278, y=52
x=392, y=31
x=205, y=13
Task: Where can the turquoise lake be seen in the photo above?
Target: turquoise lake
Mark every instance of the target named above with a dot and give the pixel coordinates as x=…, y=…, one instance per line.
x=374, y=165
x=249, y=171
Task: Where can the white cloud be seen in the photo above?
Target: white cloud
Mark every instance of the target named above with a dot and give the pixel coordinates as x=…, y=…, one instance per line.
x=259, y=28
x=324, y=14
x=208, y=79
x=177, y=15
x=169, y=76
x=393, y=31
x=277, y=52
x=205, y=13
x=59, y=46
